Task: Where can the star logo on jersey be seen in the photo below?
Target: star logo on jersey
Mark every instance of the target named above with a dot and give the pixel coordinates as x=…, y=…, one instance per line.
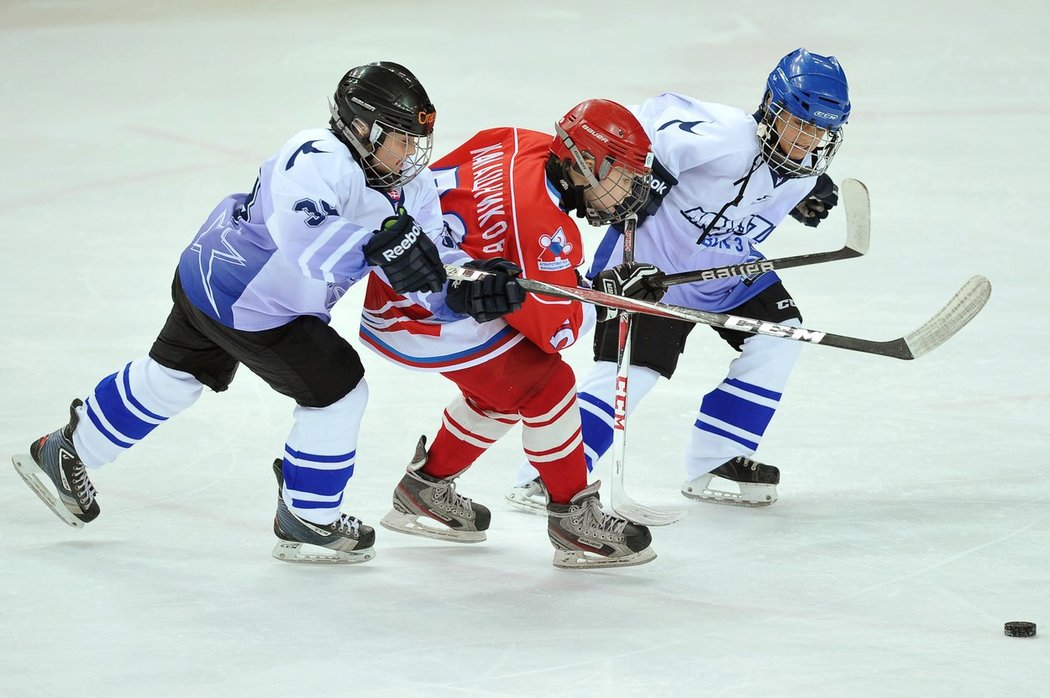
x=554, y=246
x=334, y=292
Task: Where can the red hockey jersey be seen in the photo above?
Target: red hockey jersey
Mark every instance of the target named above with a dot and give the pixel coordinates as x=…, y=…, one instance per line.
x=497, y=202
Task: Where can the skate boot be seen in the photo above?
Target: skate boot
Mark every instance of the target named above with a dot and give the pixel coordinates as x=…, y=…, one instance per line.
x=530, y=497
x=584, y=535
x=740, y=482
x=347, y=540
x=431, y=507
x=54, y=457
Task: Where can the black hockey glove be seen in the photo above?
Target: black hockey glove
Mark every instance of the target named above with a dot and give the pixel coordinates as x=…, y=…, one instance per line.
x=406, y=255
x=814, y=208
x=634, y=280
x=491, y=297
x=659, y=186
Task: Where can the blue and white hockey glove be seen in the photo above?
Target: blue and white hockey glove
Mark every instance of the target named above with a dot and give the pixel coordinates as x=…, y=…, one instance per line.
x=406, y=255
x=635, y=280
x=490, y=297
x=821, y=199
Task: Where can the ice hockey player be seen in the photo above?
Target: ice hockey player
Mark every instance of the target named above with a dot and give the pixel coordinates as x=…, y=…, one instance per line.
x=507, y=193
x=723, y=181
x=256, y=287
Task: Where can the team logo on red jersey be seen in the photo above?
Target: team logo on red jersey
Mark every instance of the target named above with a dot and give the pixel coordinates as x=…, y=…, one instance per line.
x=555, y=247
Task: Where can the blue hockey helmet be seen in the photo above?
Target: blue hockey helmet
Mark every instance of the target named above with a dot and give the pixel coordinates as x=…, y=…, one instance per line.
x=813, y=89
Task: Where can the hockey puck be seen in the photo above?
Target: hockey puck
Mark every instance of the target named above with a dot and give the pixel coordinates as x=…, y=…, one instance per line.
x=1019, y=628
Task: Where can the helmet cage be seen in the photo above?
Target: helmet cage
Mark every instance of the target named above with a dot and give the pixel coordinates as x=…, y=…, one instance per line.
x=783, y=132
x=370, y=140
x=616, y=172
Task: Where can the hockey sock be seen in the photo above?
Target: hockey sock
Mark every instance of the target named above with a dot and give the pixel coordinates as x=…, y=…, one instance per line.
x=551, y=435
x=319, y=456
x=596, y=411
x=596, y=404
x=125, y=407
x=467, y=430
x=734, y=416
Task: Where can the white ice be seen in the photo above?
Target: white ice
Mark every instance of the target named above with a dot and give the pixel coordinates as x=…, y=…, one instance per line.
x=915, y=504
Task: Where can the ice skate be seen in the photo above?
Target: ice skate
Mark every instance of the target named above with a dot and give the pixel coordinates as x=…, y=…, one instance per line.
x=431, y=507
x=585, y=535
x=55, y=458
x=531, y=497
x=741, y=482
x=346, y=540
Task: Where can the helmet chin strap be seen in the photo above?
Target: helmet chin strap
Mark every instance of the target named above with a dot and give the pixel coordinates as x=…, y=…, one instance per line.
x=572, y=196
x=577, y=156
x=347, y=135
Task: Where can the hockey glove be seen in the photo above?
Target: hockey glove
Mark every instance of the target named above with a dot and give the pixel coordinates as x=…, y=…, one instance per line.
x=634, y=280
x=814, y=208
x=491, y=297
x=406, y=254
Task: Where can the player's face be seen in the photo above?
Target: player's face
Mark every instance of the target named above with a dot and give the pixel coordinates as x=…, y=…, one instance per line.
x=392, y=151
x=612, y=190
x=797, y=138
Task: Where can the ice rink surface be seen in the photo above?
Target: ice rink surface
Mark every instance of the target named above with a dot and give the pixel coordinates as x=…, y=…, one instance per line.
x=914, y=517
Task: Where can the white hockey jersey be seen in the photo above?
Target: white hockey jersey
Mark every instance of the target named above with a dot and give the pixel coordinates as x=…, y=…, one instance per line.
x=710, y=149
x=294, y=245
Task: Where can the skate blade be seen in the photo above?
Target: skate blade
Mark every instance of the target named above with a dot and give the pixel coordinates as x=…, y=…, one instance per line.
x=524, y=503
x=40, y=483
x=581, y=560
x=748, y=496
x=290, y=551
x=413, y=525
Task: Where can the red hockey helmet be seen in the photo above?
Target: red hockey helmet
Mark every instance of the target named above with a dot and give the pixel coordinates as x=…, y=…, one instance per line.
x=606, y=144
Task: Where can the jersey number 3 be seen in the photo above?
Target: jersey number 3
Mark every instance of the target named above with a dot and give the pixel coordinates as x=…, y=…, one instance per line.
x=316, y=212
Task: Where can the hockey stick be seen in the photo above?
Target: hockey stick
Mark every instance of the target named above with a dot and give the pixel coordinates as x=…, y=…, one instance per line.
x=858, y=232
x=966, y=303
x=621, y=503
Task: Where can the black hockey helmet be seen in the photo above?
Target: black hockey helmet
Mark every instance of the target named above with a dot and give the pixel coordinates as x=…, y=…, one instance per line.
x=376, y=100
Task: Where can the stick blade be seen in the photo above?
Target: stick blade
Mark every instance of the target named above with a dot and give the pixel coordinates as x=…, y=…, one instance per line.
x=647, y=515
x=962, y=308
x=857, y=201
